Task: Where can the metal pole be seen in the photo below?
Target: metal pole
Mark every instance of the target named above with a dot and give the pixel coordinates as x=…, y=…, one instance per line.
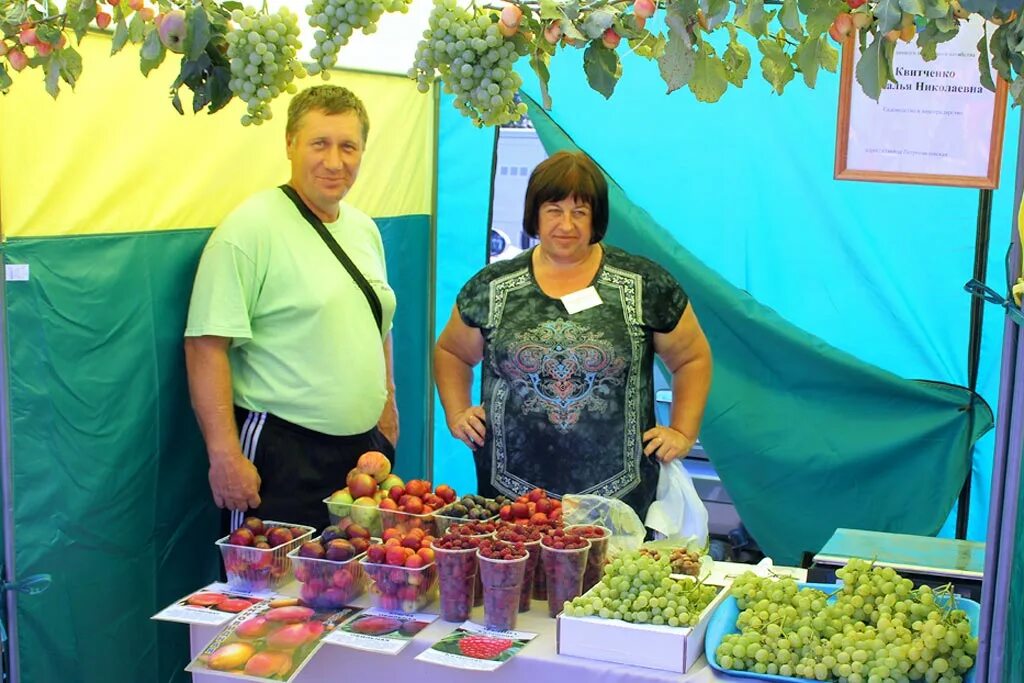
x=981, y=241
x=7, y=490
x=432, y=294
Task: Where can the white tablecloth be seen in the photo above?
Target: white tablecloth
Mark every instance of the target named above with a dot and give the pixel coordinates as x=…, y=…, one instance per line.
x=538, y=662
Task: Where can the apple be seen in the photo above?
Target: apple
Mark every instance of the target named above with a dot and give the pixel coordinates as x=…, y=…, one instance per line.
x=376, y=464
x=102, y=19
x=841, y=27
x=643, y=9
x=520, y=510
x=553, y=32
x=28, y=37
x=380, y=495
x=390, y=481
x=17, y=59
x=173, y=30
x=534, y=495
x=364, y=512
x=413, y=505
x=362, y=485
x=243, y=537
x=136, y=4
x=44, y=49
x=395, y=493
x=147, y=13
x=611, y=39
x=387, y=504
x=505, y=512
x=341, y=497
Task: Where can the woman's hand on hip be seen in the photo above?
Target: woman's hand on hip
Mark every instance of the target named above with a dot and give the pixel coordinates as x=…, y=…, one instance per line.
x=667, y=444
x=469, y=426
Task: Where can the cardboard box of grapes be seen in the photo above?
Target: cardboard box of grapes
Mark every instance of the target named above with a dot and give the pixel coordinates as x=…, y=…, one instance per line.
x=650, y=645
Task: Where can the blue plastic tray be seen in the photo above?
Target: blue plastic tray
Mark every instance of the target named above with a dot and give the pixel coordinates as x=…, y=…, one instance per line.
x=723, y=622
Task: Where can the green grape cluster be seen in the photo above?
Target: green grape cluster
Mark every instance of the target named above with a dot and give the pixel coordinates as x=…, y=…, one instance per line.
x=261, y=52
x=637, y=588
x=334, y=22
x=879, y=629
x=475, y=62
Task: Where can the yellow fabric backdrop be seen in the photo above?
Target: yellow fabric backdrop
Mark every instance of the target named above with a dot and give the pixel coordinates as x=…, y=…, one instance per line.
x=114, y=156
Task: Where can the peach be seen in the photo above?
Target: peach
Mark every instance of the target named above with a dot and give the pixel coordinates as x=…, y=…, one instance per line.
x=269, y=663
x=231, y=656
x=255, y=627
x=289, y=637
x=362, y=485
x=289, y=614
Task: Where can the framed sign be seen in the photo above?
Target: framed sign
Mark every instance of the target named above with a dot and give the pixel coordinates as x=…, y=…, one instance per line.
x=936, y=126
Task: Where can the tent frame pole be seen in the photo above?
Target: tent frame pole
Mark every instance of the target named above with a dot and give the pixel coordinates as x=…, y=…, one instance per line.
x=13, y=673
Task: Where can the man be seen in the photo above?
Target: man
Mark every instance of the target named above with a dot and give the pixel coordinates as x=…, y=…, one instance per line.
x=288, y=368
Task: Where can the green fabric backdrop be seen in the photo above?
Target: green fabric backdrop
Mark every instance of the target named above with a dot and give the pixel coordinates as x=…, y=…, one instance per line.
x=109, y=472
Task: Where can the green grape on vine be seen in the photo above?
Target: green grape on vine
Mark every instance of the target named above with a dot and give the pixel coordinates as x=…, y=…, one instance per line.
x=474, y=60
x=334, y=22
x=261, y=53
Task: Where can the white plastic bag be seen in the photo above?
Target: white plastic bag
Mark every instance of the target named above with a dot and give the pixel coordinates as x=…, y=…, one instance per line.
x=678, y=511
x=627, y=530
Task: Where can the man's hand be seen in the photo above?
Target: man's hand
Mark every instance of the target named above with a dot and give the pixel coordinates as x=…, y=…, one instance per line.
x=667, y=444
x=234, y=481
x=470, y=426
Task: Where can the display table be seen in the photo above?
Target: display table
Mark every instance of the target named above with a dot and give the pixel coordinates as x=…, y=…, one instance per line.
x=539, y=662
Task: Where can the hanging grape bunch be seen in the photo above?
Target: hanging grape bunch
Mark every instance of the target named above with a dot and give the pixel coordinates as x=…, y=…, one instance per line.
x=335, y=21
x=262, y=53
x=474, y=55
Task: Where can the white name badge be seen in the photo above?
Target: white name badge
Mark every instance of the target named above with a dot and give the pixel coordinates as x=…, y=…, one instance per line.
x=581, y=300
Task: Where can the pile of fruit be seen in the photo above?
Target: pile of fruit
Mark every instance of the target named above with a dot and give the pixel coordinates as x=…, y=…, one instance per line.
x=637, y=587
x=402, y=569
x=535, y=507
x=366, y=485
x=256, y=554
x=416, y=497
x=473, y=529
x=325, y=567
x=878, y=628
x=476, y=507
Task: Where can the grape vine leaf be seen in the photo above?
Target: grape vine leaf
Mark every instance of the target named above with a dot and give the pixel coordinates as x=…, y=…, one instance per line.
x=120, y=37
x=755, y=20
x=915, y=7
x=736, y=59
x=136, y=28
x=814, y=53
x=152, y=53
x=539, y=63
x=789, y=17
x=935, y=9
x=984, y=68
x=982, y=7
x=873, y=67
x=198, y=32
x=677, y=64
x=997, y=46
x=889, y=15
x=708, y=82
x=717, y=11
x=602, y=68
x=820, y=14
x=598, y=21
x=775, y=64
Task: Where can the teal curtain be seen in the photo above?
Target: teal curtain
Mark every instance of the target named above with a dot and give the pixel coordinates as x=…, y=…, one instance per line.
x=805, y=437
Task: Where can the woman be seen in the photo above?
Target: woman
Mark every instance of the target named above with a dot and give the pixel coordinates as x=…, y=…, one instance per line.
x=567, y=333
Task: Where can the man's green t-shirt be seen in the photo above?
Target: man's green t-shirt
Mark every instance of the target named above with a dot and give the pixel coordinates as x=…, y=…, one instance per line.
x=305, y=346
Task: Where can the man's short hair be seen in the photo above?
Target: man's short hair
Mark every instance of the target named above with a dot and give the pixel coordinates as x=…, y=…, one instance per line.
x=331, y=99
x=564, y=175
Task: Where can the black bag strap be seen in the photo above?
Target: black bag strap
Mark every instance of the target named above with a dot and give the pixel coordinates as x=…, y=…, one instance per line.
x=339, y=253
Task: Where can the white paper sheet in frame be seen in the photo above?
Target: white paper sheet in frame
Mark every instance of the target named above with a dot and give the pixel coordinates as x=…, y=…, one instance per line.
x=936, y=126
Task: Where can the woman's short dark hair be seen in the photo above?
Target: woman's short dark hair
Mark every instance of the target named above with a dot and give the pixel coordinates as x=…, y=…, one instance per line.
x=564, y=175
